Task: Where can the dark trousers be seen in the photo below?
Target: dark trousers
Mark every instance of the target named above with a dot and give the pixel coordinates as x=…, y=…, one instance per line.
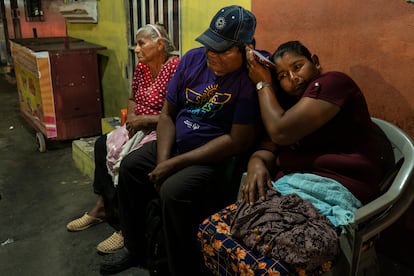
x=103, y=184
x=188, y=196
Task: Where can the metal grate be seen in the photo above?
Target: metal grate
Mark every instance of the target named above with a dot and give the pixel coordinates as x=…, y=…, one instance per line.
x=166, y=12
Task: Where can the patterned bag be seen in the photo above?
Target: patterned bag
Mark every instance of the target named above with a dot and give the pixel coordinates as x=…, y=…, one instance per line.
x=287, y=228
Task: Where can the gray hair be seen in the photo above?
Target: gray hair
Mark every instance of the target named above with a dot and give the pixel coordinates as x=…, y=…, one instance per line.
x=155, y=32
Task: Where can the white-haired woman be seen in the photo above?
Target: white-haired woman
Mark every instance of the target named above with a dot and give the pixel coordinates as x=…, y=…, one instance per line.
x=157, y=62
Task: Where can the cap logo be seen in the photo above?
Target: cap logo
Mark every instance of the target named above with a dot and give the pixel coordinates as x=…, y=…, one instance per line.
x=220, y=23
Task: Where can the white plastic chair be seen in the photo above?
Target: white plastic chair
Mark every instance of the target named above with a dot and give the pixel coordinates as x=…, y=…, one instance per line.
x=358, y=256
x=380, y=213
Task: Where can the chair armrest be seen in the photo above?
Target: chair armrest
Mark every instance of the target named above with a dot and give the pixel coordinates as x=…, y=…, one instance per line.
x=380, y=213
x=400, y=183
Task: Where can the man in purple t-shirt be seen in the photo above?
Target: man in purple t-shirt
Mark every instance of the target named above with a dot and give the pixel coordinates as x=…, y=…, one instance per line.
x=208, y=103
x=210, y=114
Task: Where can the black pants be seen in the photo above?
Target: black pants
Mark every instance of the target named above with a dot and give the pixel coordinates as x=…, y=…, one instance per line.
x=188, y=196
x=103, y=184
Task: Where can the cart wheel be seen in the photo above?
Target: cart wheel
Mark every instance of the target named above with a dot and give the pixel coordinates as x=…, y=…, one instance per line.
x=41, y=143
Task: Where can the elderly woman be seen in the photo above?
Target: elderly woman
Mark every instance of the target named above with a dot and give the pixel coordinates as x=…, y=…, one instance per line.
x=157, y=62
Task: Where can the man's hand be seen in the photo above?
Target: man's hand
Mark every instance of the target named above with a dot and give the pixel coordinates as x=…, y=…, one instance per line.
x=161, y=172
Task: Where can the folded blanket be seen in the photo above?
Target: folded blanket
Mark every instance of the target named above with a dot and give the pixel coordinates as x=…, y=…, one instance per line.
x=331, y=198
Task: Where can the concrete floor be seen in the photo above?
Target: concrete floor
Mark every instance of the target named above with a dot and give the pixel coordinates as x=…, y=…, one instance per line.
x=41, y=192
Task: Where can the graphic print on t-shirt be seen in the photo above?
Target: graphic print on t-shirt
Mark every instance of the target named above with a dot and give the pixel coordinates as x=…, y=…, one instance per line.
x=205, y=104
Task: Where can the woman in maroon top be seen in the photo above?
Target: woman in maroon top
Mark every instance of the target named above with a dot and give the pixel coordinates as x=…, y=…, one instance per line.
x=318, y=123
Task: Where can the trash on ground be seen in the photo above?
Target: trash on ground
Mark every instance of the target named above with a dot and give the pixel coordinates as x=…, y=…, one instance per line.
x=8, y=241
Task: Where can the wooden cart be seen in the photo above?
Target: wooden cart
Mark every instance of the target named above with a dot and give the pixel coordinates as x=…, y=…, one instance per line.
x=59, y=87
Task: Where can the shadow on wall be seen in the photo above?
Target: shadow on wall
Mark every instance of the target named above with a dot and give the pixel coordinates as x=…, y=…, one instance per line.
x=384, y=100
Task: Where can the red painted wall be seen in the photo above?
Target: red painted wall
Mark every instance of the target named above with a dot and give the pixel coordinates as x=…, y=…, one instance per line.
x=54, y=23
x=371, y=40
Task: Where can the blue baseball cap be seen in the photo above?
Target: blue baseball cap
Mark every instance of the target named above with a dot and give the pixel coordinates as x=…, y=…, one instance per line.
x=230, y=26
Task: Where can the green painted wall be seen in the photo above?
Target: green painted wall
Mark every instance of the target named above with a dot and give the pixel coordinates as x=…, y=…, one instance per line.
x=196, y=16
x=111, y=32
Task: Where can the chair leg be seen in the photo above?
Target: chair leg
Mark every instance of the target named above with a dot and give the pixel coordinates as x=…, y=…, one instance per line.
x=354, y=265
x=368, y=263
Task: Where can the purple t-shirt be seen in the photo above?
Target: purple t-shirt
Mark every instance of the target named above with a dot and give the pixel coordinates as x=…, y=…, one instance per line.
x=208, y=104
x=344, y=149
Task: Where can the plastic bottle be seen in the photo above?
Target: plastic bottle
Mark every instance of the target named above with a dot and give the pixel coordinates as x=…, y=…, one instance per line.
x=124, y=112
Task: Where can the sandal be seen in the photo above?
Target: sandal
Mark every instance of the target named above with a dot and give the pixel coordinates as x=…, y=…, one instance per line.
x=111, y=244
x=83, y=223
